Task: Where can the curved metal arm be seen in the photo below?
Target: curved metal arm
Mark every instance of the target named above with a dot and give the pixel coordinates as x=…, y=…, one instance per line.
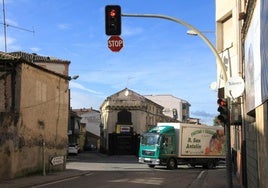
x=199, y=33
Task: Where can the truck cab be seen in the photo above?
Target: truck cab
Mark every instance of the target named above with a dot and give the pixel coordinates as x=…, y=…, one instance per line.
x=158, y=147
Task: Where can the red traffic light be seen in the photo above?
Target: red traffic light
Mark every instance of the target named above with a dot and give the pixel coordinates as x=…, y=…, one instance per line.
x=112, y=20
x=222, y=102
x=113, y=13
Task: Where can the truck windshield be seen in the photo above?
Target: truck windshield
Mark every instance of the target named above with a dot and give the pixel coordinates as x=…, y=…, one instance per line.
x=149, y=139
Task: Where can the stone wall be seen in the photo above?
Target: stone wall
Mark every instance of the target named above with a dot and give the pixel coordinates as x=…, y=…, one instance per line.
x=38, y=129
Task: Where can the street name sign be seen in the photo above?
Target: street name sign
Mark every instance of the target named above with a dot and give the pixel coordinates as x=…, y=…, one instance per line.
x=57, y=160
x=234, y=87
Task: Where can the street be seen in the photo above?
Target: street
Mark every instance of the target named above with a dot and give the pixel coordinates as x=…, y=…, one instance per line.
x=130, y=179
x=92, y=169
x=123, y=171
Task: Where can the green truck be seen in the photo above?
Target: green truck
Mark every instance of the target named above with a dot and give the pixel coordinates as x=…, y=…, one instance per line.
x=172, y=144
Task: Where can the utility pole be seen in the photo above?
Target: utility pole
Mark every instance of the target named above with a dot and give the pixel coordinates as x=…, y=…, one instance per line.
x=228, y=155
x=5, y=26
x=8, y=25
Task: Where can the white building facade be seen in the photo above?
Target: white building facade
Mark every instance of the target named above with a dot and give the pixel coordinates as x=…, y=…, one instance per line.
x=173, y=107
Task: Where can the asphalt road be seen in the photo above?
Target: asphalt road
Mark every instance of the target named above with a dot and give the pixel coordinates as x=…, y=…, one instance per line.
x=129, y=179
x=122, y=171
x=92, y=169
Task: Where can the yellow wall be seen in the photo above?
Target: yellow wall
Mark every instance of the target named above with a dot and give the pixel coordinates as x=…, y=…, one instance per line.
x=42, y=103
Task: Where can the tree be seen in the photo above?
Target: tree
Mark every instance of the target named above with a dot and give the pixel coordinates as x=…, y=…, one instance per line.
x=216, y=121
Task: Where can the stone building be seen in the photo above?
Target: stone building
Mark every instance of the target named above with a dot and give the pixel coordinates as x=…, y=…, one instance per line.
x=91, y=119
x=34, y=109
x=47, y=62
x=124, y=116
x=75, y=127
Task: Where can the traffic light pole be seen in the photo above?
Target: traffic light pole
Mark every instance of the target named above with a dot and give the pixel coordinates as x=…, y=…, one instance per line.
x=229, y=161
x=221, y=64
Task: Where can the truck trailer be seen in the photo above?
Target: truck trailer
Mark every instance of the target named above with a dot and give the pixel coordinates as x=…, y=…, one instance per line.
x=172, y=144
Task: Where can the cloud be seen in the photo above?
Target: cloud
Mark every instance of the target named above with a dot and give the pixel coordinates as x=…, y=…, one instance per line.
x=74, y=85
x=203, y=114
x=11, y=43
x=63, y=26
x=130, y=31
x=84, y=100
x=35, y=49
x=205, y=117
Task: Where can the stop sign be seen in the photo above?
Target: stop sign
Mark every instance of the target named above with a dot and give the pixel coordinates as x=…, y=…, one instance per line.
x=115, y=43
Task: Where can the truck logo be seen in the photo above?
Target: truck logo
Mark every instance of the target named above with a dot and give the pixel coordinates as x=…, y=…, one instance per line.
x=147, y=152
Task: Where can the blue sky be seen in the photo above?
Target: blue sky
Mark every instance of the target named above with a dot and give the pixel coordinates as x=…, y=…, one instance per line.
x=158, y=56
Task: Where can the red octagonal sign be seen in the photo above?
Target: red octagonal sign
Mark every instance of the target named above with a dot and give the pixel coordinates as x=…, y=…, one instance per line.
x=115, y=43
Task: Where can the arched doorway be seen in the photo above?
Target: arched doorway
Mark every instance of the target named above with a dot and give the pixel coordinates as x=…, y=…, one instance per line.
x=124, y=141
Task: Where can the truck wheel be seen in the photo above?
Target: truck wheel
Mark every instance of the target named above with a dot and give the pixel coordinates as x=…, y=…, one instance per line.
x=172, y=164
x=151, y=166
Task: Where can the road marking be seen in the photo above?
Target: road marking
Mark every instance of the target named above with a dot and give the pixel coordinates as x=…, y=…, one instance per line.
x=54, y=182
x=198, y=181
x=88, y=174
x=149, y=181
x=200, y=174
x=59, y=181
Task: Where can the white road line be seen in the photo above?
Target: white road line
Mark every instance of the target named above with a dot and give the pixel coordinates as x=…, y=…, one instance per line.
x=59, y=181
x=200, y=175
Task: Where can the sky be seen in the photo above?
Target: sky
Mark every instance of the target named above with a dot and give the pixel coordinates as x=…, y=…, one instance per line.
x=158, y=56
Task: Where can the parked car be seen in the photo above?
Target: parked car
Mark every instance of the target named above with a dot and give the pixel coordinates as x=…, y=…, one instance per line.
x=73, y=149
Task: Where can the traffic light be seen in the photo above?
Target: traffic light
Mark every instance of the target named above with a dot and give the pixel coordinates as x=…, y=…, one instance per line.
x=223, y=118
x=113, y=20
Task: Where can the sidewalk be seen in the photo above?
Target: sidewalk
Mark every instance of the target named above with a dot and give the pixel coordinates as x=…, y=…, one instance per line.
x=31, y=181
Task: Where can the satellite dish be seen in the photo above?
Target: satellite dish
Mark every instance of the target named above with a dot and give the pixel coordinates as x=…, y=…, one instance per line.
x=234, y=87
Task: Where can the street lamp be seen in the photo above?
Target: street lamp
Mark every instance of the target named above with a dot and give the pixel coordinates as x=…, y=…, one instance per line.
x=192, y=32
x=73, y=77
